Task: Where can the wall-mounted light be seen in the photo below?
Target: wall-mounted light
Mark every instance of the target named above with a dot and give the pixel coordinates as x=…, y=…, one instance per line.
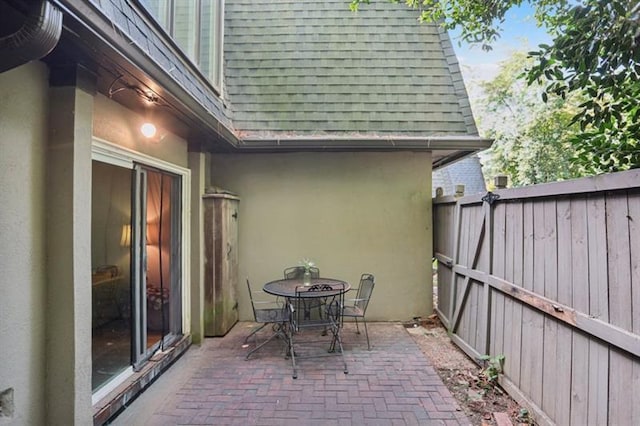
x=148, y=130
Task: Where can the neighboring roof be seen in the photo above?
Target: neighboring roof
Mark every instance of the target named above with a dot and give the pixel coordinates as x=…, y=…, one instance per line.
x=315, y=68
x=467, y=172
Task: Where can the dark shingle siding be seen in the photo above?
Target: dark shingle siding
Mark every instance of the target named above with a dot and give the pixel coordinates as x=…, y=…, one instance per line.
x=314, y=66
x=128, y=21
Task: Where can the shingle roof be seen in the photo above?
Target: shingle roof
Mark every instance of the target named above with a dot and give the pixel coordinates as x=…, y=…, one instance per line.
x=313, y=67
x=467, y=172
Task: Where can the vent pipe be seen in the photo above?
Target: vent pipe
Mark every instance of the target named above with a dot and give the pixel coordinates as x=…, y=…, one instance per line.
x=38, y=35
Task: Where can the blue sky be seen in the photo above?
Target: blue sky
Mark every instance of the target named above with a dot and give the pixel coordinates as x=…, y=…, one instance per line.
x=520, y=33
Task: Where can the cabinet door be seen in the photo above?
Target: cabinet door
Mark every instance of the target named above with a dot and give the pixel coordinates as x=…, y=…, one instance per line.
x=221, y=273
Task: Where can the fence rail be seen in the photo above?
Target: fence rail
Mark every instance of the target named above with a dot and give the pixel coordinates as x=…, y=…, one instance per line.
x=549, y=277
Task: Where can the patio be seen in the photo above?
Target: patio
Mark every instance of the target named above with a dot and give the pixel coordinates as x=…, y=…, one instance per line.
x=393, y=384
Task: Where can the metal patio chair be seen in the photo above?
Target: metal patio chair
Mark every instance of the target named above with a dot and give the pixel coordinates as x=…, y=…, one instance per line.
x=358, y=308
x=332, y=296
x=264, y=313
x=296, y=272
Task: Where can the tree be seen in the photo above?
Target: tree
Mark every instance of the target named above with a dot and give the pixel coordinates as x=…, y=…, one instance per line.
x=532, y=140
x=595, y=53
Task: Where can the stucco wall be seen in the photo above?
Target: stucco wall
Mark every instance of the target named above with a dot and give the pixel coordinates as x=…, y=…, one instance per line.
x=23, y=130
x=119, y=125
x=349, y=212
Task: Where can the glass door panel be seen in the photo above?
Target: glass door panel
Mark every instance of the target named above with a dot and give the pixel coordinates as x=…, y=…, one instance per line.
x=159, y=221
x=111, y=278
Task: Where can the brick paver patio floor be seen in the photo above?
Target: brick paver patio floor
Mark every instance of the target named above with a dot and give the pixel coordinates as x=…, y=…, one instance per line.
x=213, y=384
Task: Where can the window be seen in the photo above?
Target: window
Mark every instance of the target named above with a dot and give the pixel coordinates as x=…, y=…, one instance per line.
x=197, y=28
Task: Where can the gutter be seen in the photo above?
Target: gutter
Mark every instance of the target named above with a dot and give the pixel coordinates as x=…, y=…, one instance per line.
x=341, y=143
x=37, y=37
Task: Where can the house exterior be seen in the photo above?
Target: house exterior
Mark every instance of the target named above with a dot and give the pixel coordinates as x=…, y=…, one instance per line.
x=467, y=172
x=326, y=125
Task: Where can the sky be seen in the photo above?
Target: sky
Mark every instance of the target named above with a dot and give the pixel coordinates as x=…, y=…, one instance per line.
x=519, y=33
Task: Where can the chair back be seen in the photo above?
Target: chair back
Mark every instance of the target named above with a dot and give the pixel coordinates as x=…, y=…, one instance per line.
x=253, y=307
x=331, y=298
x=367, y=282
x=266, y=311
x=296, y=272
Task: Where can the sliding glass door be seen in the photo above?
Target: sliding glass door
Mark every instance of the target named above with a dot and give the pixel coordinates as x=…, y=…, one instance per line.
x=136, y=255
x=157, y=260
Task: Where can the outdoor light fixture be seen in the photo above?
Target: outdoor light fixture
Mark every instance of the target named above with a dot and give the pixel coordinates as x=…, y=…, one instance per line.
x=148, y=130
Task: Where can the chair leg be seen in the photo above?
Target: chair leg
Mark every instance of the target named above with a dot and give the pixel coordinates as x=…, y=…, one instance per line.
x=246, y=339
x=337, y=338
x=357, y=329
x=277, y=332
x=366, y=332
x=292, y=353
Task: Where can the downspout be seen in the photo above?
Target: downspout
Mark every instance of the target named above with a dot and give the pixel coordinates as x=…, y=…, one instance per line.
x=37, y=37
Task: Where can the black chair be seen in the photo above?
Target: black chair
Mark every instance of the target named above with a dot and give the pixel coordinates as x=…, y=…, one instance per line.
x=358, y=308
x=264, y=313
x=296, y=272
x=332, y=300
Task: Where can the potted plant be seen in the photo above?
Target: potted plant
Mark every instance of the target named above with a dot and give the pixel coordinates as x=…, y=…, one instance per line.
x=307, y=264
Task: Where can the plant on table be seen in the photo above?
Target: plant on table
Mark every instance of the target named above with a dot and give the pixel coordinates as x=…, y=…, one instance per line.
x=307, y=264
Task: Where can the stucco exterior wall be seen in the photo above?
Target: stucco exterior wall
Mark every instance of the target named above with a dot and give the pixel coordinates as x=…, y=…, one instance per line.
x=119, y=125
x=23, y=130
x=351, y=213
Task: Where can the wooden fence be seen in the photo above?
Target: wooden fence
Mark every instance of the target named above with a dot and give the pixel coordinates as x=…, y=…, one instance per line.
x=549, y=277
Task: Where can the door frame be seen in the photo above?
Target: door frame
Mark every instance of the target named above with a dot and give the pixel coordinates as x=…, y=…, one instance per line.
x=107, y=152
x=110, y=153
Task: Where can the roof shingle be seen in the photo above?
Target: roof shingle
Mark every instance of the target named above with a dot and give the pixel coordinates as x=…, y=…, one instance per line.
x=314, y=67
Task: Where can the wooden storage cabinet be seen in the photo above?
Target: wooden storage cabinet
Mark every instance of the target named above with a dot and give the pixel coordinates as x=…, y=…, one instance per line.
x=221, y=262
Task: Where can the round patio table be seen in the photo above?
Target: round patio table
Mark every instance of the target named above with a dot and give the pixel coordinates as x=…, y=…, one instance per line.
x=287, y=287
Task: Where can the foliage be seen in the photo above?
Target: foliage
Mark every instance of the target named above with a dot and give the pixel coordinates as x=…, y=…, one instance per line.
x=493, y=367
x=594, y=53
x=307, y=264
x=532, y=141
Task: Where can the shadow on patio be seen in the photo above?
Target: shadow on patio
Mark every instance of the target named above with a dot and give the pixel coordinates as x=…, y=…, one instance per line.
x=393, y=384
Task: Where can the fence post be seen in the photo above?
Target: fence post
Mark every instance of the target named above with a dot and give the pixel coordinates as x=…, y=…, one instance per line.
x=459, y=191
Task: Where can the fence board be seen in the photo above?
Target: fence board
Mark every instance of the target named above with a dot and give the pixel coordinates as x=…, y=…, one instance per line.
x=580, y=294
x=550, y=367
x=634, y=240
x=621, y=399
x=518, y=247
x=634, y=257
x=561, y=263
x=619, y=262
x=564, y=346
x=598, y=411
